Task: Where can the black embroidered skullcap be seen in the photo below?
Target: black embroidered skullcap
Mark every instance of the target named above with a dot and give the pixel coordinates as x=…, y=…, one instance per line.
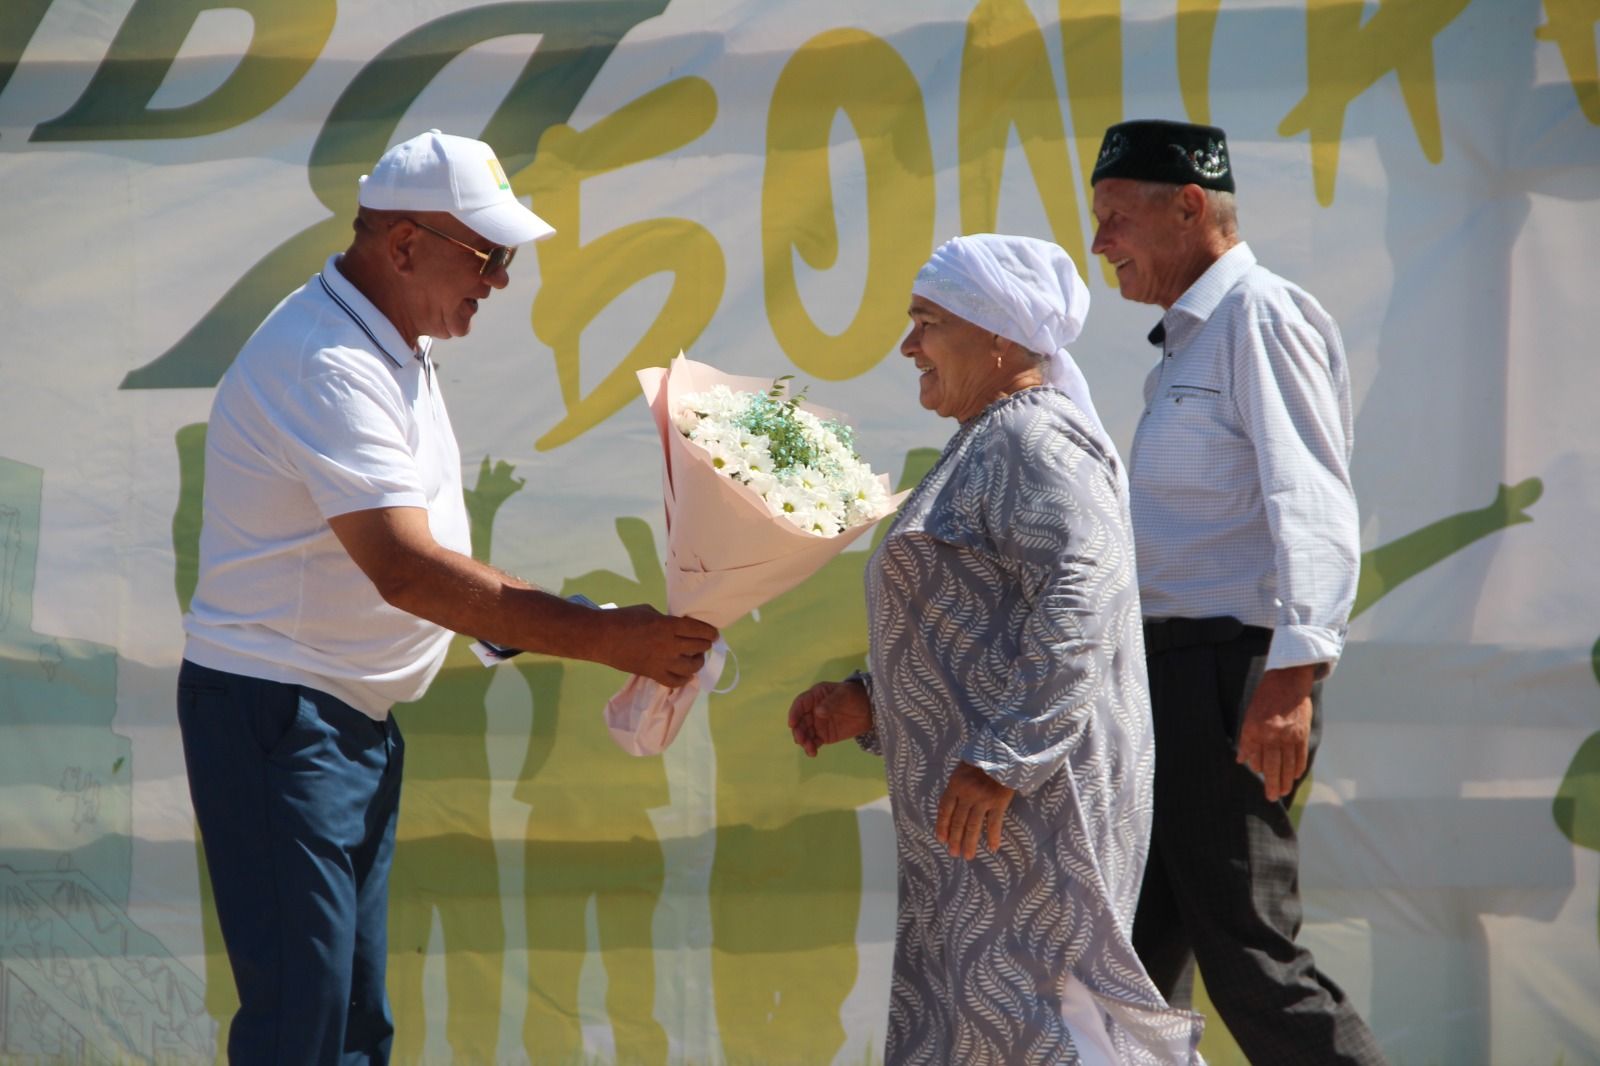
x=1179, y=153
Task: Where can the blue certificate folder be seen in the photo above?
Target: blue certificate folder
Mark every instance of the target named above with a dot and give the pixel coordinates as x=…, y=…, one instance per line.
x=492, y=654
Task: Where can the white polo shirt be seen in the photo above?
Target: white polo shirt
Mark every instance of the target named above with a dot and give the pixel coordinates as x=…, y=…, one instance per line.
x=326, y=411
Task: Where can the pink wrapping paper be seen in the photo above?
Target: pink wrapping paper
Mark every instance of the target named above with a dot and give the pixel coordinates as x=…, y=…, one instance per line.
x=726, y=555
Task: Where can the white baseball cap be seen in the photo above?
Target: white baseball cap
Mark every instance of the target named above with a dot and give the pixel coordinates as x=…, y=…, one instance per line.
x=441, y=172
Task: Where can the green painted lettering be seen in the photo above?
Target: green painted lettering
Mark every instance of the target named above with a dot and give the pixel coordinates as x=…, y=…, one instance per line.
x=288, y=37
x=577, y=38
x=18, y=20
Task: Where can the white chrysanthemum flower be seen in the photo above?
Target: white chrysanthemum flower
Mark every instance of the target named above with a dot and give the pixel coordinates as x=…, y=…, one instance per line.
x=807, y=477
x=835, y=450
x=817, y=509
x=719, y=402
x=810, y=422
x=759, y=462
x=724, y=457
x=726, y=403
x=755, y=451
x=712, y=427
x=867, y=499
x=761, y=480
x=817, y=501
x=785, y=502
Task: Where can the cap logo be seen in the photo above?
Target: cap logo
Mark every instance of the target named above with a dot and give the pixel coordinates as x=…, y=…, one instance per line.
x=498, y=174
x=1210, y=161
x=1112, y=150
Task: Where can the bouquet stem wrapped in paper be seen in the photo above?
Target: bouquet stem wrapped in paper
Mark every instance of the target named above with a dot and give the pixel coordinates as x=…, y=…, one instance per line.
x=740, y=532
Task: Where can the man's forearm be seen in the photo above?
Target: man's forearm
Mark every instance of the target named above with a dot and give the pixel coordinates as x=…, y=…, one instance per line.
x=466, y=596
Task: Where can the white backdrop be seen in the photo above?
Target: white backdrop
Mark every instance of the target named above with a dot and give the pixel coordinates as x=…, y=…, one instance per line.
x=754, y=181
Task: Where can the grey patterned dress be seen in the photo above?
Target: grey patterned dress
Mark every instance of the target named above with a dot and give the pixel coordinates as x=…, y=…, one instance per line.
x=1005, y=632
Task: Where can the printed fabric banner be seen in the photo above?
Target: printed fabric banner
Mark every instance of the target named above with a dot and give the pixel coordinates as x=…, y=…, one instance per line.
x=755, y=182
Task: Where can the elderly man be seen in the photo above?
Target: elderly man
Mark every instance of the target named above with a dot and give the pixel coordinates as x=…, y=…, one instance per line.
x=1245, y=524
x=334, y=565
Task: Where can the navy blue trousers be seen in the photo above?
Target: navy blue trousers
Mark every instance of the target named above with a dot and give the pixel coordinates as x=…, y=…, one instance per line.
x=297, y=795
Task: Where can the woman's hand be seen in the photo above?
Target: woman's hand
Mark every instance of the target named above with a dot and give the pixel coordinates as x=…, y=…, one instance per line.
x=972, y=803
x=829, y=711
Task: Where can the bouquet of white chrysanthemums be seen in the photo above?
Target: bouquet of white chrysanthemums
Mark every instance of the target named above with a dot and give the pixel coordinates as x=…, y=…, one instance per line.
x=804, y=467
x=760, y=492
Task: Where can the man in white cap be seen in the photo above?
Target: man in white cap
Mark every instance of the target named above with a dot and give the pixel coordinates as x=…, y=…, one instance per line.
x=334, y=566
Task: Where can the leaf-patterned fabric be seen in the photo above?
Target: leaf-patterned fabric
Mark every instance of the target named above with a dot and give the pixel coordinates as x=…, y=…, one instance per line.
x=1005, y=631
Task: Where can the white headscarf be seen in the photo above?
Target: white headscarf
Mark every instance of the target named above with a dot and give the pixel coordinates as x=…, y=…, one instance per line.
x=1026, y=290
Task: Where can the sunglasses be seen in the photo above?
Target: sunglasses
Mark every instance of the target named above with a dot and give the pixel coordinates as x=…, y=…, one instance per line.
x=494, y=259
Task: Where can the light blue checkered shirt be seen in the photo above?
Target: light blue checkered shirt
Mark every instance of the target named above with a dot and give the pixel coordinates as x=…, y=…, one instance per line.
x=1240, y=469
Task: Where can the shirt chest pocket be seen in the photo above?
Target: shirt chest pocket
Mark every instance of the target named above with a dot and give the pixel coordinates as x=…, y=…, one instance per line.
x=1200, y=395
x=1196, y=405
x=1187, y=418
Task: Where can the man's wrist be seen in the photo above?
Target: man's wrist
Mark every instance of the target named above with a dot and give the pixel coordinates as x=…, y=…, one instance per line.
x=1303, y=645
x=1286, y=681
x=570, y=630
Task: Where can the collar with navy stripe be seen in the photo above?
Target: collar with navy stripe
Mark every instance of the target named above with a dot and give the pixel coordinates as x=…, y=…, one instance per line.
x=1200, y=299
x=374, y=323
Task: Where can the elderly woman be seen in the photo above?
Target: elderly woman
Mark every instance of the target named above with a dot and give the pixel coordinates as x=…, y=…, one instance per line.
x=1006, y=691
